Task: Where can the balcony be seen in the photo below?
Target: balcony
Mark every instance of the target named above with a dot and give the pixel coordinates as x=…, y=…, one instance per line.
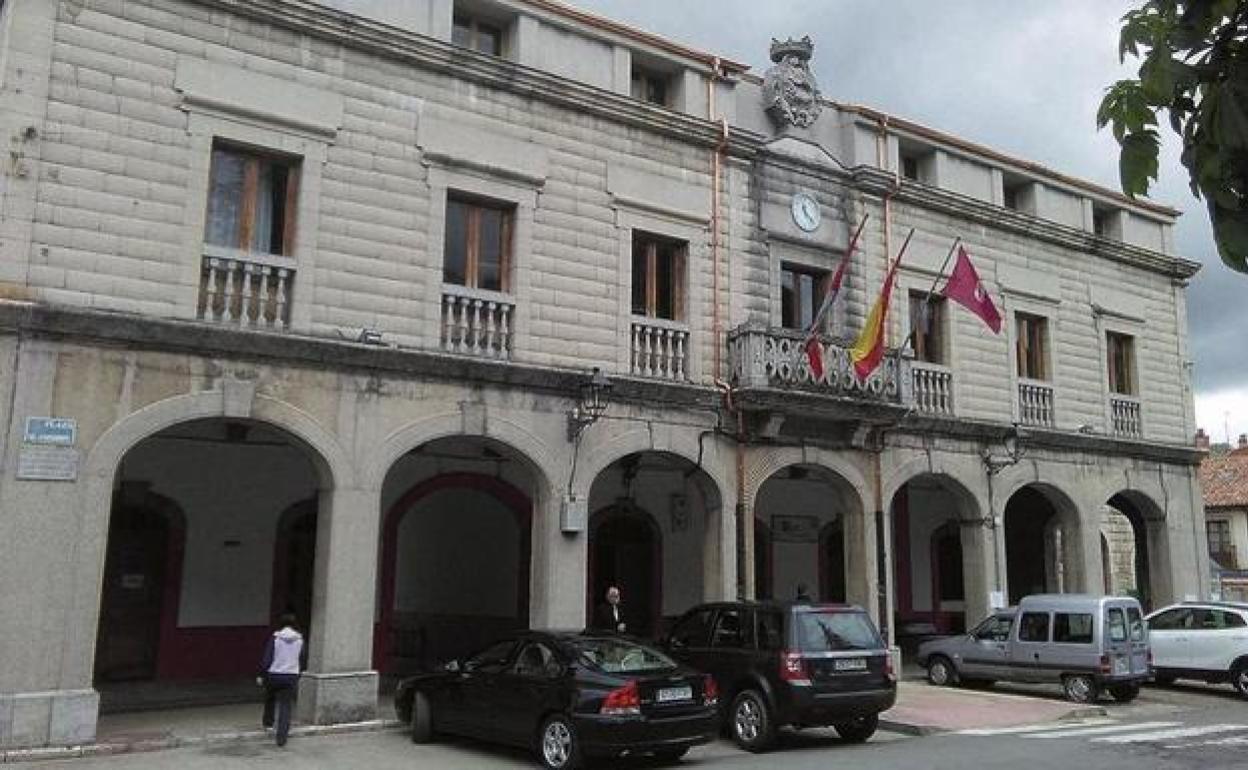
x=1124, y=414
x=659, y=349
x=476, y=322
x=245, y=289
x=933, y=388
x=1035, y=403
x=760, y=357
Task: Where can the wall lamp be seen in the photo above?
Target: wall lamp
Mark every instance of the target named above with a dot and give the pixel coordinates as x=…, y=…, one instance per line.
x=592, y=400
x=1012, y=443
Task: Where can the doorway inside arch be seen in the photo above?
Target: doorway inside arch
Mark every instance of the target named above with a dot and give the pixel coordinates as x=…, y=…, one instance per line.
x=626, y=552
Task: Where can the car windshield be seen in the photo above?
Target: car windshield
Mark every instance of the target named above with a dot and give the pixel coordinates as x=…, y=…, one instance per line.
x=834, y=631
x=620, y=656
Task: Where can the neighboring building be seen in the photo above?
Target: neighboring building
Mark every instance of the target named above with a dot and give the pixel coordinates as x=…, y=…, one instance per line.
x=1224, y=482
x=309, y=300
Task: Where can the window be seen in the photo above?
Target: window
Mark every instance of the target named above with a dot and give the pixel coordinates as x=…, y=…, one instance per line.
x=251, y=201
x=1120, y=352
x=835, y=631
x=1216, y=620
x=1116, y=624
x=1034, y=627
x=536, y=660
x=492, y=658
x=801, y=293
x=649, y=86
x=1031, y=346
x=1219, y=536
x=1178, y=619
x=470, y=32
x=910, y=167
x=927, y=323
x=1137, y=624
x=995, y=629
x=692, y=630
x=617, y=655
x=732, y=630
x=1072, y=628
x=770, y=631
x=477, y=250
x=658, y=277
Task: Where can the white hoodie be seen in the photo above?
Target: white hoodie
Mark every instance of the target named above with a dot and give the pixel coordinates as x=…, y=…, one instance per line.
x=287, y=647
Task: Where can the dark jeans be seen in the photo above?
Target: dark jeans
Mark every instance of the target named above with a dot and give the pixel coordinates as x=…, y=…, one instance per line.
x=279, y=694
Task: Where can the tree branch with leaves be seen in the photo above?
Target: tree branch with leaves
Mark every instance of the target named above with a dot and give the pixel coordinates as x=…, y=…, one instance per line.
x=1194, y=65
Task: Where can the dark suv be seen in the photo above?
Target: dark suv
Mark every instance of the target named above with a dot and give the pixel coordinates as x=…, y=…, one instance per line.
x=787, y=663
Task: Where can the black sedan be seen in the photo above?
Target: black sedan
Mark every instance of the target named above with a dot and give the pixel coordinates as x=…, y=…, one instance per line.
x=568, y=696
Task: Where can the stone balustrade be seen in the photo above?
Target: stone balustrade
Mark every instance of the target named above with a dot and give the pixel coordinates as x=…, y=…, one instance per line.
x=1035, y=403
x=476, y=322
x=1124, y=414
x=659, y=349
x=246, y=289
x=933, y=388
x=761, y=357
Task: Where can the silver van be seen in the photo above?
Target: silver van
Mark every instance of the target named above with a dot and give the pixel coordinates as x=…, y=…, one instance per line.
x=1085, y=643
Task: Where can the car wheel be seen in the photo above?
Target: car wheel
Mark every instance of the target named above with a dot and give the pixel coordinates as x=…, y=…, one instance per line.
x=858, y=730
x=1080, y=688
x=752, y=727
x=558, y=746
x=421, y=719
x=1124, y=693
x=940, y=671
x=1239, y=679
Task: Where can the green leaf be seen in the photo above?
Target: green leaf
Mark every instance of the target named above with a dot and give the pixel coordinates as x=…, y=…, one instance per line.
x=1230, y=231
x=1137, y=165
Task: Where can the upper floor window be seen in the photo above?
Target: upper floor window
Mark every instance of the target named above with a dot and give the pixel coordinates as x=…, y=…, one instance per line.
x=916, y=163
x=649, y=86
x=927, y=323
x=251, y=201
x=1031, y=346
x=477, y=248
x=1221, y=545
x=471, y=32
x=1120, y=352
x=801, y=292
x=658, y=277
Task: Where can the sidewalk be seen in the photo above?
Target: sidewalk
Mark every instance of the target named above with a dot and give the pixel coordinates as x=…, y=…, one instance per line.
x=924, y=710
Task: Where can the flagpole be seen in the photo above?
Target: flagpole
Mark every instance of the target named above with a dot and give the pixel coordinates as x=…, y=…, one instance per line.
x=927, y=299
x=828, y=295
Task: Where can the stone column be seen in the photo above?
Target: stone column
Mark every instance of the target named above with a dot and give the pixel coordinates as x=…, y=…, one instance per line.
x=861, y=564
x=340, y=684
x=978, y=570
x=560, y=570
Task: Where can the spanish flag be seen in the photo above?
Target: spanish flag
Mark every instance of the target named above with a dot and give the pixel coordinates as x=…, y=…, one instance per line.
x=868, y=351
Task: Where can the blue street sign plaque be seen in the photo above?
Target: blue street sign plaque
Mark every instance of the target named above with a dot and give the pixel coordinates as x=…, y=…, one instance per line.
x=56, y=431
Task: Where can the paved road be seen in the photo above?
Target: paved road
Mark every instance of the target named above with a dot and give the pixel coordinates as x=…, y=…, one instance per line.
x=1180, y=727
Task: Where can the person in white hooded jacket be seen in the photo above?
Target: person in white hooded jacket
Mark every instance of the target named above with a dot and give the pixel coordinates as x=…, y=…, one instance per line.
x=284, y=657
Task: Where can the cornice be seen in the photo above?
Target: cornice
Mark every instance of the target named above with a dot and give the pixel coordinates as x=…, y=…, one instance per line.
x=428, y=53
x=880, y=182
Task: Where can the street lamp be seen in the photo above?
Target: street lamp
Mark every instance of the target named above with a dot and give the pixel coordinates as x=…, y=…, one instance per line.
x=593, y=397
x=1012, y=443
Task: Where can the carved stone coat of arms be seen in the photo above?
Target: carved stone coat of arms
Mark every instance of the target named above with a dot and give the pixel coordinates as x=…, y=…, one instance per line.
x=790, y=93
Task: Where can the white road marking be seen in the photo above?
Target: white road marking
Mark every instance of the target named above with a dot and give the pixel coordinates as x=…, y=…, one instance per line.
x=1035, y=728
x=1080, y=732
x=1164, y=735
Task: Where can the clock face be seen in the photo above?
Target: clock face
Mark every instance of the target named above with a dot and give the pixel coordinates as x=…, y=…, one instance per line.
x=805, y=212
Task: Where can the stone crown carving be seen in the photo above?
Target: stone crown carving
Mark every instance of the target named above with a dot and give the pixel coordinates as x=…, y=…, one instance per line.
x=790, y=93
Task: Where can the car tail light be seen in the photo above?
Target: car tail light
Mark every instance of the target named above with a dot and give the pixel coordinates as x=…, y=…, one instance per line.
x=622, y=701
x=1106, y=667
x=793, y=668
x=710, y=691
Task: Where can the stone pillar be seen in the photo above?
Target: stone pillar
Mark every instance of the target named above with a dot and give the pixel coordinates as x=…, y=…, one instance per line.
x=1082, y=547
x=978, y=570
x=719, y=551
x=861, y=564
x=559, y=575
x=340, y=684
x=747, y=581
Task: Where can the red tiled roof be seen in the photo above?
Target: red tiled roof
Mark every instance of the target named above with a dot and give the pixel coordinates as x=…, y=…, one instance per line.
x=1224, y=479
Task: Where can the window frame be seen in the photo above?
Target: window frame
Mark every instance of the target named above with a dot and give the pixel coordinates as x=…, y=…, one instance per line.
x=1120, y=364
x=745, y=629
x=475, y=205
x=643, y=80
x=1048, y=627
x=820, y=280
x=475, y=26
x=936, y=338
x=1031, y=350
x=679, y=281
x=1065, y=621
x=708, y=622
x=254, y=160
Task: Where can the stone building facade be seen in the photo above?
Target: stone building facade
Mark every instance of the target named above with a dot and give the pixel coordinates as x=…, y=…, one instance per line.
x=299, y=303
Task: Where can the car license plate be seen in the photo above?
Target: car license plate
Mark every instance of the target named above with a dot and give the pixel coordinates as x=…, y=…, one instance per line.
x=1122, y=666
x=667, y=694
x=850, y=664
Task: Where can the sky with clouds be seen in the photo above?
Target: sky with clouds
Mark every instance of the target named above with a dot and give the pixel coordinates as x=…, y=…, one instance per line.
x=1021, y=77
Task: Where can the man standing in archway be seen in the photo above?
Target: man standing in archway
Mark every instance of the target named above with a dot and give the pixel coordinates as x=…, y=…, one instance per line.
x=610, y=616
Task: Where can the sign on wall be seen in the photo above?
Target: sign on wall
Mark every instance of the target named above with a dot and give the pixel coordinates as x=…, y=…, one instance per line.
x=47, y=452
x=794, y=529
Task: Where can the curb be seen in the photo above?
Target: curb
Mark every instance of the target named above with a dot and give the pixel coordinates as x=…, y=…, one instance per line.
x=211, y=739
x=906, y=728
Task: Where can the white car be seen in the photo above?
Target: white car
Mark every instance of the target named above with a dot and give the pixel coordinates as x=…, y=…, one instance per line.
x=1201, y=640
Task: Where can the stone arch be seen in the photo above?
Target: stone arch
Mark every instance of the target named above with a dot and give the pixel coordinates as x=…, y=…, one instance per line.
x=958, y=480
x=331, y=463
x=770, y=462
x=682, y=444
x=531, y=450
x=1151, y=554
x=1078, y=558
